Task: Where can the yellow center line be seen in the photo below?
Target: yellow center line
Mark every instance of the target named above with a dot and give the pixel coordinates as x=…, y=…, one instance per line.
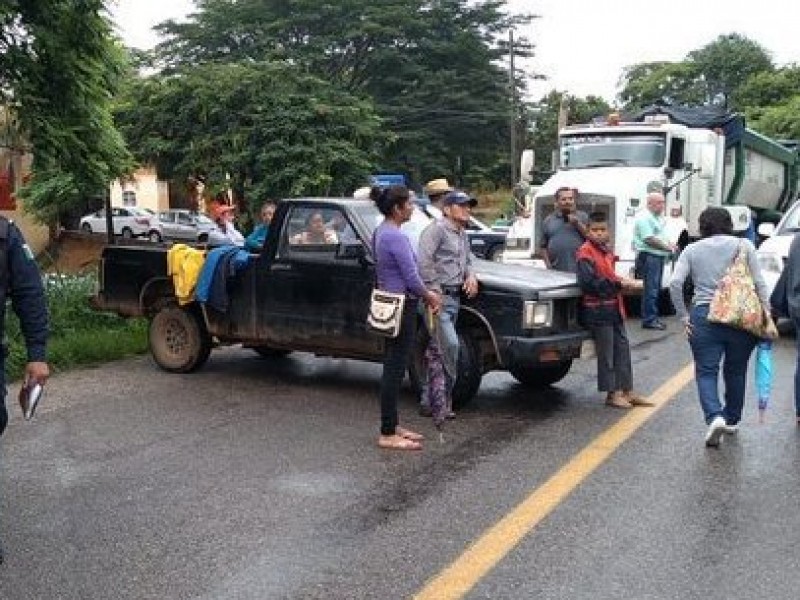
x=457, y=579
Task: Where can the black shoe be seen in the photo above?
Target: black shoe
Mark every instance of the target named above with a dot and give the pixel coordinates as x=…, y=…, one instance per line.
x=654, y=325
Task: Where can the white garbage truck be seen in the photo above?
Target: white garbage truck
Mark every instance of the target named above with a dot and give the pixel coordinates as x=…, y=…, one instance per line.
x=700, y=157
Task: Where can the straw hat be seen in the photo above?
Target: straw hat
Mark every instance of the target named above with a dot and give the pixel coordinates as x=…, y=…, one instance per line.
x=437, y=186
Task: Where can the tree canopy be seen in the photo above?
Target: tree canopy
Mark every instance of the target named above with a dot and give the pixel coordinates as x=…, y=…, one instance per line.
x=59, y=66
x=272, y=129
x=432, y=69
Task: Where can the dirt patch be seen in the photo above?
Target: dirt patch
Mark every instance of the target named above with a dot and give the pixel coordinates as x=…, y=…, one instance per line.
x=74, y=252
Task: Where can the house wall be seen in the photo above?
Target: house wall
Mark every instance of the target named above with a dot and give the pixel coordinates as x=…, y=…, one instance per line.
x=142, y=190
x=13, y=167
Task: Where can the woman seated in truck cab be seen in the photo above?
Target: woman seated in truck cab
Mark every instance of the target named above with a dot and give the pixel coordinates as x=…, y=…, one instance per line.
x=315, y=232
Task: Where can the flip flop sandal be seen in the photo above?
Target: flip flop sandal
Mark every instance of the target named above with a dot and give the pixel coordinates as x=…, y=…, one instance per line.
x=399, y=444
x=408, y=434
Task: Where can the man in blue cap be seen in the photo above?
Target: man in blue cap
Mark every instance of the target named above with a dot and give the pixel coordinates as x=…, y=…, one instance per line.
x=445, y=265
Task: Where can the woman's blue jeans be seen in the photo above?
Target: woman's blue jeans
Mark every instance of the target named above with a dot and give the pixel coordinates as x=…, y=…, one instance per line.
x=797, y=369
x=711, y=344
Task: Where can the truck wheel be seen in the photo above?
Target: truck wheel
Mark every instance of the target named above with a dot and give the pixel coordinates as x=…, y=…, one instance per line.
x=469, y=376
x=539, y=377
x=470, y=373
x=268, y=352
x=178, y=340
x=86, y=228
x=127, y=234
x=154, y=237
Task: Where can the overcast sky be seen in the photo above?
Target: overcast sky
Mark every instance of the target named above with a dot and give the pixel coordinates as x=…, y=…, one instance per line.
x=583, y=45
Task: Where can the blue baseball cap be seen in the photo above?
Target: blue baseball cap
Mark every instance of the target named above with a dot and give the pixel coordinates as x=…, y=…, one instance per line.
x=458, y=197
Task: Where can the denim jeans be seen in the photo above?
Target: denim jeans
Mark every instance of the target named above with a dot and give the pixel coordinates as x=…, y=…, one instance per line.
x=651, y=269
x=797, y=369
x=712, y=343
x=395, y=362
x=446, y=334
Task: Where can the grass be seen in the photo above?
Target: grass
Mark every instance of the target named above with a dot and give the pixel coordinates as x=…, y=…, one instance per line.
x=79, y=336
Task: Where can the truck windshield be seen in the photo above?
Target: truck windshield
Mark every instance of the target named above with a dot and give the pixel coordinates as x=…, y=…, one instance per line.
x=584, y=151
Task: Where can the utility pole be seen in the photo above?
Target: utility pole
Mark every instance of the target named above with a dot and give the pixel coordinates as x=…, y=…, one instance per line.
x=512, y=123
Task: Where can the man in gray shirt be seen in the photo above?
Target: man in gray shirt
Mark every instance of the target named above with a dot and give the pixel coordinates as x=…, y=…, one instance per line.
x=563, y=232
x=445, y=265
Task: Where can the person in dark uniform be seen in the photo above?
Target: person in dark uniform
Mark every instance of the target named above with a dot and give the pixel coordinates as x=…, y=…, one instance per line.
x=21, y=281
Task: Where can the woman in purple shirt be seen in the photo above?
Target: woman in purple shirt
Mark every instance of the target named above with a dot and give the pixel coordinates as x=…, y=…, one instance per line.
x=396, y=271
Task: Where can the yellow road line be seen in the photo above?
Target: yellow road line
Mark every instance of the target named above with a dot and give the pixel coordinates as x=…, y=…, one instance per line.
x=482, y=556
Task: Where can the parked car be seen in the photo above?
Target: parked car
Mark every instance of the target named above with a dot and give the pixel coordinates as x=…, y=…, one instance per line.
x=774, y=250
x=183, y=225
x=484, y=241
x=128, y=221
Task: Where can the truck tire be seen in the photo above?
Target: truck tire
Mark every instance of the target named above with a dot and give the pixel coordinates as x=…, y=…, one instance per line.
x=269, y=352
x=127, y=233
x=154, y=237
x=178, y=340
x=539, y=377
x=469, y=376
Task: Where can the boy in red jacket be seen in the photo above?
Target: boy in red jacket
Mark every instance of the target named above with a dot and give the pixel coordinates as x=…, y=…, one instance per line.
x=603, y=313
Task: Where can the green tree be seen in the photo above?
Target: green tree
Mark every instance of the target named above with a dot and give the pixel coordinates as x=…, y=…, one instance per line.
x=59, y=65
x=432, y=68
x=661, y=82
x=274, y=130
x=779, y=120
x=712, y=74
x=728, y=62
x=768, y=88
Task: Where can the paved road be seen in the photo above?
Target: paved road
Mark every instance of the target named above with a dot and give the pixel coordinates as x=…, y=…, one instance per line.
x=260, y=479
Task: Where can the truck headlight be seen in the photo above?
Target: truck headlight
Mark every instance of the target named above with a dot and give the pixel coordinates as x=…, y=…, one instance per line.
x=537, y=314
x=769, y=262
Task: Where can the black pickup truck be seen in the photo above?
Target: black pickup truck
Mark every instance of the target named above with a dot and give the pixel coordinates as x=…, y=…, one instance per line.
x=313, y=297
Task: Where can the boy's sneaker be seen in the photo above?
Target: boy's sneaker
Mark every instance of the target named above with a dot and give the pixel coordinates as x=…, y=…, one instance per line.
x=715, y=430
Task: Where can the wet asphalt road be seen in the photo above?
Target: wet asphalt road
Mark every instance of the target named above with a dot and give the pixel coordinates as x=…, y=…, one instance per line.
x=260, y=479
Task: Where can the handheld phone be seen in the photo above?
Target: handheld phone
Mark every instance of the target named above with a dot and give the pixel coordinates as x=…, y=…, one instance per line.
x=29, y=396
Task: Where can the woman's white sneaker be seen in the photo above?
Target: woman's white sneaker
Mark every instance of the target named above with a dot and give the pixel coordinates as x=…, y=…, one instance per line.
x=715, y=430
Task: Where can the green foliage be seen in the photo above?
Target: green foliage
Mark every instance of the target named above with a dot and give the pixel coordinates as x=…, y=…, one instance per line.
x=431, y=68
x=78, y=334
x=59, y=65
x=275, y=130
x=727, y=62
x=712, y=74
x=779, y=121
x=662, y=82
